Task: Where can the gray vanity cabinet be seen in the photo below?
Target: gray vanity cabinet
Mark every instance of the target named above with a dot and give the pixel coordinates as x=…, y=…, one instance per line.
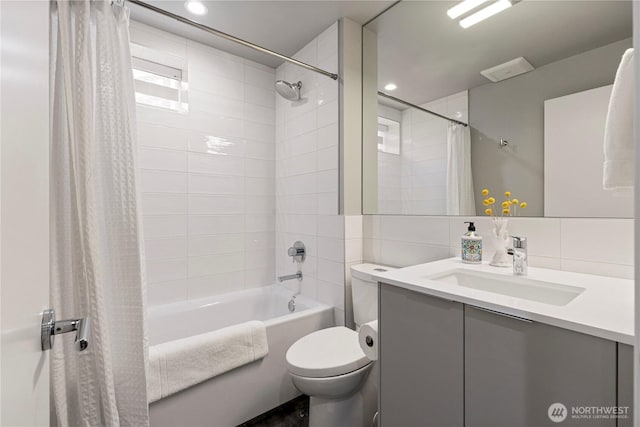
x=421, y=360
x=515, y=369
x=625, y=382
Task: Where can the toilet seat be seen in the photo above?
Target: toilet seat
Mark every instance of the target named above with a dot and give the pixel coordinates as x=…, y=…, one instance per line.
x=326, y=353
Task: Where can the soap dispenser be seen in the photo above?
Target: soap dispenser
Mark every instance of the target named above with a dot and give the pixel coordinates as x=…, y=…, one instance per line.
x=471, y=245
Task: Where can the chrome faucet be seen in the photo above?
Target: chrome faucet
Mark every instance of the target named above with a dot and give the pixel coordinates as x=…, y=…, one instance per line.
x=297, y=252
x=520, y=255
x=298, y=276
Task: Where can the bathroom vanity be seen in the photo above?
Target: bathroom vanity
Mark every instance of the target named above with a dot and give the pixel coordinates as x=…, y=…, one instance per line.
x=475, y=346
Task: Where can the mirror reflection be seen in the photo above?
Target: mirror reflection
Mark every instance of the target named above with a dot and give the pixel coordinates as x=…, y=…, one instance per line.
x=517, y=101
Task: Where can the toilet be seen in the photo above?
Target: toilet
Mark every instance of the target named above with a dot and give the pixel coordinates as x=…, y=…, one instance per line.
x=330, y=367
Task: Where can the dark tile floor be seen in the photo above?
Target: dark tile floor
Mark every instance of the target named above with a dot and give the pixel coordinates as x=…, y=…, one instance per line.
x=294, y=413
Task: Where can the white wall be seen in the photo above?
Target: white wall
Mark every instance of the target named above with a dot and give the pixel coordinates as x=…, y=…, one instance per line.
x=307, y=178
x=574, y=129
x=209, y=210
x=351, y=102
x=595, y=246
x=24, y=124
x=353, y=228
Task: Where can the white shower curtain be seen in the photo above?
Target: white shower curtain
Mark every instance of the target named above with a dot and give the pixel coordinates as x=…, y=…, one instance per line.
x=96, y=236
x=460, y=198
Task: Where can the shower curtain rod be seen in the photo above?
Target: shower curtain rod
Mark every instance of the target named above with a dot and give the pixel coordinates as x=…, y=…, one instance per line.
x=232, y=38
x=408, y=104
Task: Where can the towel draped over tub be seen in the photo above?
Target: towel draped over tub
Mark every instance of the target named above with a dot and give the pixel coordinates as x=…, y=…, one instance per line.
x=179, y=364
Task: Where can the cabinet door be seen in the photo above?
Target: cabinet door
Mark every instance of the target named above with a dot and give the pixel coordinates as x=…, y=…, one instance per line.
x=421, y=360
x=625, y=383
x=515, y=370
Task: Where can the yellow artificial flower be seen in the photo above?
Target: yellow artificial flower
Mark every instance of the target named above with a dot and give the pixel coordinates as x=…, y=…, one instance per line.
x=523, y=205
x=491, y=200
x=506, y=204
x=488, y=211
x=506, y=211
x=486, y=202
x=507, y=194
x=485, y=192
x=515, y=201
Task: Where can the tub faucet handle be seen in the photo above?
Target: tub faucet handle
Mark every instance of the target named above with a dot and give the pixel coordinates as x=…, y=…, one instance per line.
x=297, y=252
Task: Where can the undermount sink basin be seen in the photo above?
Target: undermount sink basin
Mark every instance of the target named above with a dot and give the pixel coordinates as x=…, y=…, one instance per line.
x=513, y=286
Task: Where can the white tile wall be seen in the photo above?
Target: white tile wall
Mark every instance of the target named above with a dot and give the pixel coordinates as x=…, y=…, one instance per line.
x=353, y=231
x=307, y=150
x=595, y=246
x=403, y=185
x=208, y=176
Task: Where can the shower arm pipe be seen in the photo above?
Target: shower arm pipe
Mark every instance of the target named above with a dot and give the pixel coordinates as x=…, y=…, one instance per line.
x=233, y=38
x=408, y=104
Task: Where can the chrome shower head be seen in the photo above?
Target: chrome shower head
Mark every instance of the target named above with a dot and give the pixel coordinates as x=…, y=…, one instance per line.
x=290, y=91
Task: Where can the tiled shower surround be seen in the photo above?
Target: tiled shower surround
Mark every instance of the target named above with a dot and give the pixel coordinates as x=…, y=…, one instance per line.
x=307, y=180
x=415, y=179
x=213, y=206
x=208, y=175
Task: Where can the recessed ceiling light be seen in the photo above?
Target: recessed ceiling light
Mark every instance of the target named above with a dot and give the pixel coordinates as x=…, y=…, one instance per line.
x=196, y=7
x=464, y=7
x=485, y=13
x=390, y=87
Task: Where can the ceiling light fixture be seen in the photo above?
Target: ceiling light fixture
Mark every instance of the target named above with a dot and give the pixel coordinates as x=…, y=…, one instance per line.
x=196, y=7
x=485, y=13
x=464, y=7
x=390, y=87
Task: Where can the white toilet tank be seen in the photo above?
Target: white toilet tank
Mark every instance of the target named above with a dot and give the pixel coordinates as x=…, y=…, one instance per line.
x=364, y=292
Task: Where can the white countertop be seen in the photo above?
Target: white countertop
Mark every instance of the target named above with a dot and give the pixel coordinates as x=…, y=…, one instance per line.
x=604, y=309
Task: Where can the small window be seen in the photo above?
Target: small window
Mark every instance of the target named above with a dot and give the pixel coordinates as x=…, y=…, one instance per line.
x=159, y=85
x=388, y=136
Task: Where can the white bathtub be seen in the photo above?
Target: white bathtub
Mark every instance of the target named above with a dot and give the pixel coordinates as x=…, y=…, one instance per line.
x=241, y=394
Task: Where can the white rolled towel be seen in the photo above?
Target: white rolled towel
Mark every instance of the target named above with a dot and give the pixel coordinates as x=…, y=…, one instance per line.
x=179, y=364
x=368, y=339
x=618, y=132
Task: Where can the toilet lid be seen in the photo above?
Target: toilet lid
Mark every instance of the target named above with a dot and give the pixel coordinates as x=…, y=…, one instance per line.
x=326, y=353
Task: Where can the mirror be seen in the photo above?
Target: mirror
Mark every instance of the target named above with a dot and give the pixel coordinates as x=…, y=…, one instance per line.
x=533, y=84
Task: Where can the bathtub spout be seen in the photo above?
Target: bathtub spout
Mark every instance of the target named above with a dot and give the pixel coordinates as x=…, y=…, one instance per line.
x=298, y=276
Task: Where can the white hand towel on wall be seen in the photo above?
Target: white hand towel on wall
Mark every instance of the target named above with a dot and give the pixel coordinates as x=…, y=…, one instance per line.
x=618, y=134
x=179, y=364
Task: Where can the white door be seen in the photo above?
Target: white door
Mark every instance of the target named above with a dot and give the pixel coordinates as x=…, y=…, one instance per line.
x=24, y=210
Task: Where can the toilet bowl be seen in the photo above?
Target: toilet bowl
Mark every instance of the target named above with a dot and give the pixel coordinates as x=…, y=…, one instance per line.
x=330, y=367
x=332, y=387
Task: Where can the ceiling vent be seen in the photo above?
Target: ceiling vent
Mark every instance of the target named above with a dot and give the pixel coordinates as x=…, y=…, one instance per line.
x=509, y=69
